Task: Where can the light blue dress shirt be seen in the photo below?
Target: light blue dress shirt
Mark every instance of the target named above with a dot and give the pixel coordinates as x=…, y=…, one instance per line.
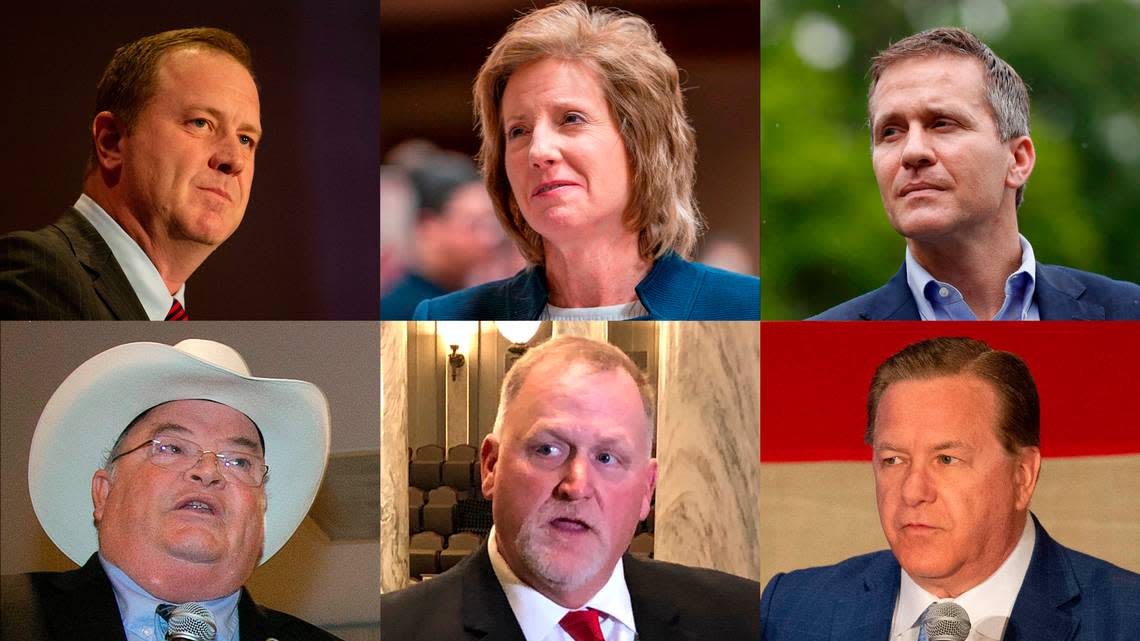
x=141, y=273
x=137, y=608
x=937, y=300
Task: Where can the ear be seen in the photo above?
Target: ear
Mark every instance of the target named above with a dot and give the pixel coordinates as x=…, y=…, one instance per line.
x=100, y=489
x=107, y=132
x=488, y=461
x=1023, y=159
x=1025, y=478
x=650, y=485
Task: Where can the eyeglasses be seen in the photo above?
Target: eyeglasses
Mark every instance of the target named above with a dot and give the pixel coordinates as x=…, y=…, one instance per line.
x=180, y=455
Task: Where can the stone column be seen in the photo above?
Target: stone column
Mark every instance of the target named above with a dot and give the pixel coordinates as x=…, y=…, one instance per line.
x=393, y=456
x=708, y=446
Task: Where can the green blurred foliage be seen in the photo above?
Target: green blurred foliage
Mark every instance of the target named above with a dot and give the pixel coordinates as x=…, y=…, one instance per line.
x=825, y=236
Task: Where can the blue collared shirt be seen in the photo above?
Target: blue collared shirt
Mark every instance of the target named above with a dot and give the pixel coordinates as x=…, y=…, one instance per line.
x=937, y=300
x=141, y=273
x=137, y=608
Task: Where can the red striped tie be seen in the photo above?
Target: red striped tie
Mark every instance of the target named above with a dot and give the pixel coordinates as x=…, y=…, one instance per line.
x=177, y=312
x=582, y=625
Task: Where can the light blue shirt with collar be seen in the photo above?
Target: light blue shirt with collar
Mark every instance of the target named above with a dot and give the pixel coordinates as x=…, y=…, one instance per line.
x=143, y=276
x=137, y=608
x=937, y=300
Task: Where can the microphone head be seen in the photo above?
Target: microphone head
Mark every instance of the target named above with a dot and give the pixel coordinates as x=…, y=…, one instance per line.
x=191, y=622
x=946, y=622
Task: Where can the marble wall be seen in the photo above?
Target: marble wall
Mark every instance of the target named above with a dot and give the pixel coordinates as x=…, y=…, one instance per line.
x=708, y=446
x=393, y=455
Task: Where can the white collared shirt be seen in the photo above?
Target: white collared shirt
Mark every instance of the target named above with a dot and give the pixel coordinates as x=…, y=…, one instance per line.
x=137, y=608
x=621, y=311
x=538, y=616
x=937, y=300
x=989, y=603
x=141, y=273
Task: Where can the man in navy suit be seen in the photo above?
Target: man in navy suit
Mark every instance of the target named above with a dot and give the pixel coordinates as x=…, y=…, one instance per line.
x=955, y=430
x=570, y=472
x=951, y=152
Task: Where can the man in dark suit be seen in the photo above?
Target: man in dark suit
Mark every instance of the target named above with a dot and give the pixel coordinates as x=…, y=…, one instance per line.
x=955, y=430
x=951, y=152
x=180, y=504
x=569, y=472
x=177, y=121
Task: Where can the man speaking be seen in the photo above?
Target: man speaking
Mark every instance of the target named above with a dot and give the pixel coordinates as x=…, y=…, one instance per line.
x=951, y=152
x=955, y=431
x=176, y=126
x=150, y=467
x=569, y=471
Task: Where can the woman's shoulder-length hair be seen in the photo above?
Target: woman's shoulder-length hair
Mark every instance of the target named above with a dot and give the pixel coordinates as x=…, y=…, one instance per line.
x=643, y=89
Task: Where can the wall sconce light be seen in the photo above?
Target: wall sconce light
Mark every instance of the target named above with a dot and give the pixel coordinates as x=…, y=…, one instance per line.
x=518, y=333
x=455, y=360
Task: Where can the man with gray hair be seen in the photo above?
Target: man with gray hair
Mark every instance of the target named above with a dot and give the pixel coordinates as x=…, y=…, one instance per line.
x=951, y=152
x=570, y=472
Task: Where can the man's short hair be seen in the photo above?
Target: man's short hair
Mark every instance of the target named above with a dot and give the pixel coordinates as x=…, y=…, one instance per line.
x=1006, y=93
x=129, y=80
x=599, y=356
x=1020, y=422
x=437, y=180
x=643, y=91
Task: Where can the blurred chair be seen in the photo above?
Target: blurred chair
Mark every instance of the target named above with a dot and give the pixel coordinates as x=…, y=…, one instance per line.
x=423, y=553
x=642, y=546
x=459, y=545
x=439, y=512
x=425, y=464
x=457, y=469
x=415, y=510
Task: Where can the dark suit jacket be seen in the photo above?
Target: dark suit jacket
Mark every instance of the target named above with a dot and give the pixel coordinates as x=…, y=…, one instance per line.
x=80, y=605
x=64, y=271
x=1066, y=596
x=674, y=289
x=670, y=603
x=1061, y=293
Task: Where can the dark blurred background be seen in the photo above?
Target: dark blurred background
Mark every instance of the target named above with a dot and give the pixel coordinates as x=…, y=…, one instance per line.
x=827, y=235
x=308, y=247
x=432, y=49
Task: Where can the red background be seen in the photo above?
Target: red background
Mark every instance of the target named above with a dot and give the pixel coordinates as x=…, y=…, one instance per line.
x=815, y=377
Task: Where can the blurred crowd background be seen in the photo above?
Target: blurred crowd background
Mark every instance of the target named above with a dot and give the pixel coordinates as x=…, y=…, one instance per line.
x=826, y=236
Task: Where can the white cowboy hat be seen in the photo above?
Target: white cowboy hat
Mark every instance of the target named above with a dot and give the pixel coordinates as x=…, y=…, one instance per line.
x=97, y=401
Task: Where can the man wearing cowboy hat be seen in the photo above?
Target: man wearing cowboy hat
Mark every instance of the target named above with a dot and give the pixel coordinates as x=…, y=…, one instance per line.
x=169, y=449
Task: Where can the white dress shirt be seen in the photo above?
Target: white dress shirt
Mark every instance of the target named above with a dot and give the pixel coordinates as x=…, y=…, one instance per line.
x=141, y=273
x=538, y=616
x=989, y=603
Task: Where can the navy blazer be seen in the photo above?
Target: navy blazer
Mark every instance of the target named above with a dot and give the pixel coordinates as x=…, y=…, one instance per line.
x=1061, y=293
x=674, y=289
x=1066, y=596
x=80, y=604
x=670, y=603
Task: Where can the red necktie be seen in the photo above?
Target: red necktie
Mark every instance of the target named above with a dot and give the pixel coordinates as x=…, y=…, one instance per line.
x=177, y=312
x=582, y=625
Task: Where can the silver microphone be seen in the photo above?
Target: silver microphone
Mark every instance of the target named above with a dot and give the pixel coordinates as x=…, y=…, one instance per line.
x=191, y=622
x=946, y=622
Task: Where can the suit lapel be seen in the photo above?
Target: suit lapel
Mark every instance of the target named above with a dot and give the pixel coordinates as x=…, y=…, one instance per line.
x=87, y=598
x=1049, y=584
x=107, y=276
x=487, y=614
x=656, y=619
x=868, y=614
x=892, y=301
x=1058, y=296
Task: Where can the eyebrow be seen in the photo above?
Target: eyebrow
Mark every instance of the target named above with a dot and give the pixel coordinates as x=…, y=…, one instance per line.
x=163, y=428
x=943, y=445
x=243, y=128
x=564, y=104
x=927, y=110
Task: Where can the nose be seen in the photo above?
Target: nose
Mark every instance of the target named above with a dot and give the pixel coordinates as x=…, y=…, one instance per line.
x=207, y=471
x=229, y=157
x=917, y=486
x=917, y=151
x=575, y=483
x=544, y=148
